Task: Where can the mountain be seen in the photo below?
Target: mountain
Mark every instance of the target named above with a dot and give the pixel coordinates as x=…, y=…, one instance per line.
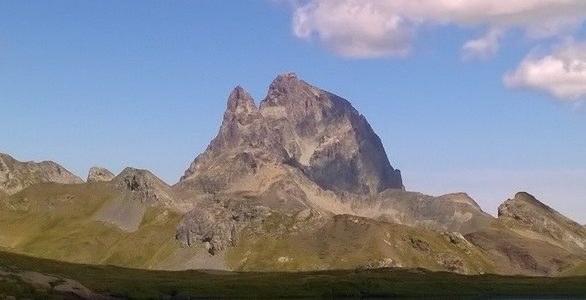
x=299, y=183
x=305, y=148
x=15, y=176
x=316, y=132
x=302, y=151
x=529, y=217
x=531, y=238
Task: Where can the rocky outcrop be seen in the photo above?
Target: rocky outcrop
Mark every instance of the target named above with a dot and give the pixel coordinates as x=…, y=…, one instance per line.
x=136, y=192
x=302, y=126
x=216, y=225
x=529, y=217
x=15, y=176
x=145, y=187
x=98, y=174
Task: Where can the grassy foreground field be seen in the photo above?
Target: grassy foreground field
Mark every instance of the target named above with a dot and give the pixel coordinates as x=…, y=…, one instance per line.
x=139, y=284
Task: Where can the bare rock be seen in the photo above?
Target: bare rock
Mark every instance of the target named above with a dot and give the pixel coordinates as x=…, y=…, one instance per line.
x=145, y=187
x=528, y=216
x=214, y=231
x=216, y=225
x=297, y=124
x=98, y=174
x=243, y=145
x=328, y=138
x=15, y=176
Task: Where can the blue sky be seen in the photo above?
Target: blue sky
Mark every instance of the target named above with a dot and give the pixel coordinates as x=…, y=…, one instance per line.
x=144, y=84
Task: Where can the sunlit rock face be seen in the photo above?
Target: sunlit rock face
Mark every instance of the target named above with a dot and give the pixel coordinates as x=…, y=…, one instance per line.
x=529, y=216
x=301, y=126
x=15, y=176
x=98, y=174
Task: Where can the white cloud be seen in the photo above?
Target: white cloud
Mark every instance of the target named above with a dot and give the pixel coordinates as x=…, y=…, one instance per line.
x=483, y=47
x=561, y=73
x=354, y=29
x=375, y=28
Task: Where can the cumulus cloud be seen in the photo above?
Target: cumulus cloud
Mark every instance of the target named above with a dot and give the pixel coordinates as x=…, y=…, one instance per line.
x=561, y=73
x=376, y=28
x=354, y=28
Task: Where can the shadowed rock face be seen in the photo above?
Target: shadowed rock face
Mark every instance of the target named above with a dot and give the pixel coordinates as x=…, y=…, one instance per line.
x=15, y=176
x=302, y=126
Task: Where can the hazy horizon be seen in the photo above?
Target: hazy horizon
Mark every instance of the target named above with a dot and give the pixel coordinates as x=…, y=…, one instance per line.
x=462, y=102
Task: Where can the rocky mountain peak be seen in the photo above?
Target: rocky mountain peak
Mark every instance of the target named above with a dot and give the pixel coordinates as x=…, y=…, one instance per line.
x=308, y=128
x=285, y=79
x=16, y=176
x=328, y=137
x=240, y=106
x=144, y=186
x=522, y=203
x=99, y=174
x=241, y=113
x=292, y=98
x=525, y=213
x=283, y=84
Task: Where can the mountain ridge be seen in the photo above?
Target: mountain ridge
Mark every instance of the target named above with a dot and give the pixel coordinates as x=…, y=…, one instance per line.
x=300, y=182
x=16, y=176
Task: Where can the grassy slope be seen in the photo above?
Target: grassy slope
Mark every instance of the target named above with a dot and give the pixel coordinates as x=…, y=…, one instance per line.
x=348, y=242
x=56, y=221
x=131, y=283
x=579, y=270
x=19, y=289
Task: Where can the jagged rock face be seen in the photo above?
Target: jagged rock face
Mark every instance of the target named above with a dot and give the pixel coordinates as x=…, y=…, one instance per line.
x=302, y=126
x=328, y=138
x=200, y=226
x=15, y=176
x=145, y=187
x=242, y=146
x=528, y=216
x=97, y=174
x=216, y=225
